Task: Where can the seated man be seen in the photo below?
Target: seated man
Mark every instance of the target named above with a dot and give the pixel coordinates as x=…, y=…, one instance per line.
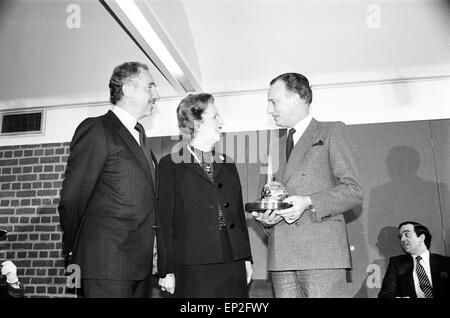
x=9, y=282
x=419, y=274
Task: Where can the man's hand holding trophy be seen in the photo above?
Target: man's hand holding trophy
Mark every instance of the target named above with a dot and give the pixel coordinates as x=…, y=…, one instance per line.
x=275, y=204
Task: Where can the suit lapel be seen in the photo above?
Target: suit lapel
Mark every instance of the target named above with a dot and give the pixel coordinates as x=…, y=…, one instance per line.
x=191, y=163
x=409, y=270
x=155, y=163
x=303, y=145
x=435, y=274
x=130, y=142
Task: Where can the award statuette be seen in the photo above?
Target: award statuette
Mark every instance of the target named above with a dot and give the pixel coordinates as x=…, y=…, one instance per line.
x=272, y=195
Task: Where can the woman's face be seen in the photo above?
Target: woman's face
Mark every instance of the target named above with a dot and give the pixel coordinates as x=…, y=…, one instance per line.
x=211, y=125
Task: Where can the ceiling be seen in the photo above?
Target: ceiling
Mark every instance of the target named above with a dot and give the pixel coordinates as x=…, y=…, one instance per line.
x=230, y=46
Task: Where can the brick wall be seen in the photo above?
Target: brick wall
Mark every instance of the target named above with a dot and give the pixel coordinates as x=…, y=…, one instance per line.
x=30, y=180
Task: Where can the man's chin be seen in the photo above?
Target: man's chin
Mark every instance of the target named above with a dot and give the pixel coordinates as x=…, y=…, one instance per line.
x=148, y=112
x=279, y=123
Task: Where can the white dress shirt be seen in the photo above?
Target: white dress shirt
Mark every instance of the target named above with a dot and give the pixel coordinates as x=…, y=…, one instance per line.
x=127, y=120
x=425, y=262
x=300, y=128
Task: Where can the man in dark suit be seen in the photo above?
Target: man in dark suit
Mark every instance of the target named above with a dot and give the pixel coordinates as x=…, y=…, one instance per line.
x=108, y=198
x=419, y=273
x=308, y=249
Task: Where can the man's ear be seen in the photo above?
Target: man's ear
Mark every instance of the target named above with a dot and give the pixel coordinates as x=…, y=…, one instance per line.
x=295, y=98
x=127, y=89
x=422, y=237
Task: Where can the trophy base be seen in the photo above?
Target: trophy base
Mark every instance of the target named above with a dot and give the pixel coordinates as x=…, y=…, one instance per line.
x=263, y=206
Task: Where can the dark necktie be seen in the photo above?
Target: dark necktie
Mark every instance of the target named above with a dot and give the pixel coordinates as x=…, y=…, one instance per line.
x=289, y=143
x=424, y=282
x=146, y=149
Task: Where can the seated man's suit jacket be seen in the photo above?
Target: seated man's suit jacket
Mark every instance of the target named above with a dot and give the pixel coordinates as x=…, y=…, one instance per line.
x=7, y=291
x=398, y=280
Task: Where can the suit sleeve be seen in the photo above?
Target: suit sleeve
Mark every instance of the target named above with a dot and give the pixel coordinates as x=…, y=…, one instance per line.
x=347, y=192
x=165, y=211
x=389, y=286
x=88, y=151
x=242, y=217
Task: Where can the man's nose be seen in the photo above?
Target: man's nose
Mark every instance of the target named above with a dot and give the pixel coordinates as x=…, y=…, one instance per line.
x=155, y=94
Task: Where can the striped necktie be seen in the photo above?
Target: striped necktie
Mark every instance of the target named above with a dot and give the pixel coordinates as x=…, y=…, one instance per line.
x=424, y=282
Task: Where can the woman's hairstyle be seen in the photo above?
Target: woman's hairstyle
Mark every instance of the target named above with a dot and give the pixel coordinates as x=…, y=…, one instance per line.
x=190, y=110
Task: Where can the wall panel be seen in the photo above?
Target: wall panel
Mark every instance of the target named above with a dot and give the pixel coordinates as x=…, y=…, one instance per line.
x=440, y=130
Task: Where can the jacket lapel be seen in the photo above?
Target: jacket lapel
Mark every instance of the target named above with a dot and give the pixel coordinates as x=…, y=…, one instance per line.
x=303, y=145
x=191, y=163
x=155, y=163
x=409, y=270
x=131, y=143
x=435, y=274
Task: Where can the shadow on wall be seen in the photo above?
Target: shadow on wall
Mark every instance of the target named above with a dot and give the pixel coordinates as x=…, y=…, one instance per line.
x=447, y=5
x=405, y=197
x=387, y=245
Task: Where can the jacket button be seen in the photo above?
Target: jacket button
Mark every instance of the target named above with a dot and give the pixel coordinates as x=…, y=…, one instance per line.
x=219, y=185
x=155, y=227
x=303, y=174
x=226, y=204
x=231, y=225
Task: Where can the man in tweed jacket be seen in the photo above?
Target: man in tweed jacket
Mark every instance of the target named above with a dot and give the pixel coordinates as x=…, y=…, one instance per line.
x=308, y=248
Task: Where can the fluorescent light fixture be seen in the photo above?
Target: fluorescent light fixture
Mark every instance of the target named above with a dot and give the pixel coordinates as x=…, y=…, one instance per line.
x=145, y=29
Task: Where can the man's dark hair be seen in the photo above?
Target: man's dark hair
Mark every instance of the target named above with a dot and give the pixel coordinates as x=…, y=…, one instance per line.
x=419, y=229
x=296, y=83
x=120, y=76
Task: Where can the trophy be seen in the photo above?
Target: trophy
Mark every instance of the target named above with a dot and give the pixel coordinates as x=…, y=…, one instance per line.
x=272, y=195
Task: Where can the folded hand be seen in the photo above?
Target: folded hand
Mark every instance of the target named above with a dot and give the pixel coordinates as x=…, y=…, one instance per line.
x=167, y=283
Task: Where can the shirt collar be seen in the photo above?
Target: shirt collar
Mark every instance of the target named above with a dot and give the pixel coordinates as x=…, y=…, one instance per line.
x=125, y=117
x=301, y=126
x=425, y=256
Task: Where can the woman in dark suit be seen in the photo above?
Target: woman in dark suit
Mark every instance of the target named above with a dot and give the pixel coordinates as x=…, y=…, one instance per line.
x=201, y=211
